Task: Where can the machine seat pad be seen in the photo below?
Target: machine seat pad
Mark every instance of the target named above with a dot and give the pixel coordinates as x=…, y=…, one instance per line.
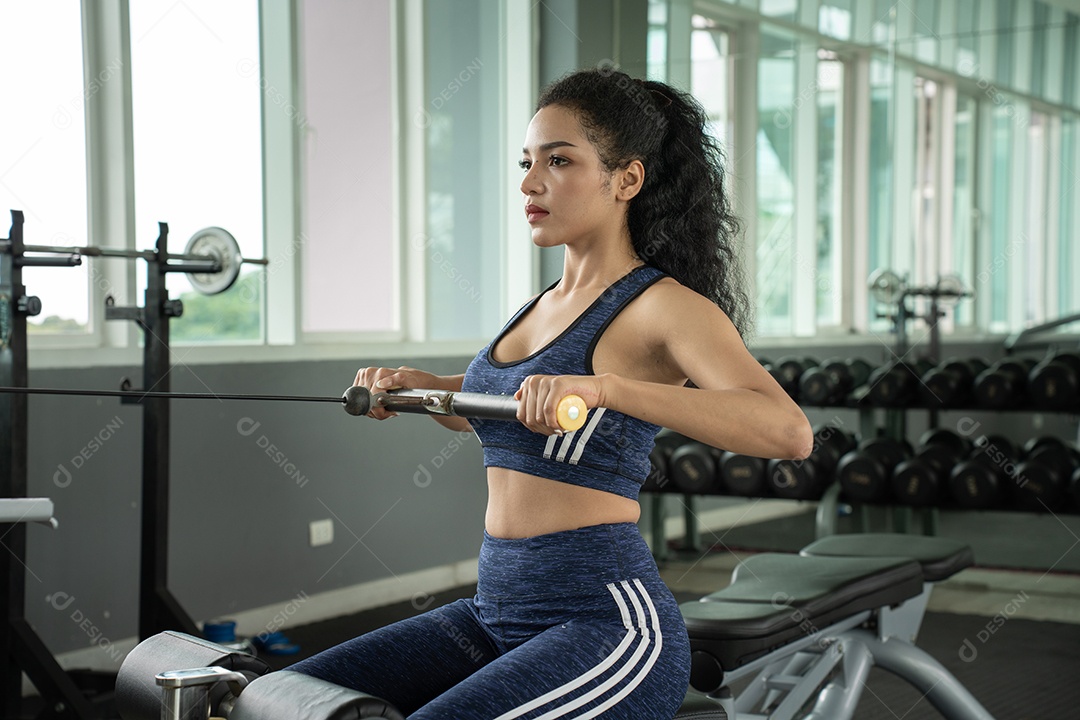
x=138, y=696
x=286, y=695
x=940, y=557
x=776, y=598
x=697, y=706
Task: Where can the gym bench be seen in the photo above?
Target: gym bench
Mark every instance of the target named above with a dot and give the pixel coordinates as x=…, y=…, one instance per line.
x=806, y=628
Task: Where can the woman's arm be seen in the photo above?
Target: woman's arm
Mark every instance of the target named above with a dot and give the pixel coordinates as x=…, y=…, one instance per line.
x=736, y=405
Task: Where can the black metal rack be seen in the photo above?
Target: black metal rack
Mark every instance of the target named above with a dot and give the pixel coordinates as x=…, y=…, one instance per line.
x=20, y=647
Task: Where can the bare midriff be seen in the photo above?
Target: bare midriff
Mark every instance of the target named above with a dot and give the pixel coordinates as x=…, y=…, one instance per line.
x=521, y=505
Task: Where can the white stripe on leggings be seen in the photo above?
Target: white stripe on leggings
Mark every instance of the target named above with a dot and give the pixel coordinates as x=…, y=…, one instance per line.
x=608, y=662
x=617, y=697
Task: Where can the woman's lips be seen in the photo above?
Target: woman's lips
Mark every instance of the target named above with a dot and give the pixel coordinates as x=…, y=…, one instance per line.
x=535, y=213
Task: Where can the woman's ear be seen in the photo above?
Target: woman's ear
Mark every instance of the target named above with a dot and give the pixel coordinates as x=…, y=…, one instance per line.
x=630, y=179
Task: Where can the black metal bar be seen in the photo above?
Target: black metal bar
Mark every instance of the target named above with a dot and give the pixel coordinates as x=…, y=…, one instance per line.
x=42, y=669
x=139, y=395
x=20, y=647
x=158, y=609
x=12, y=467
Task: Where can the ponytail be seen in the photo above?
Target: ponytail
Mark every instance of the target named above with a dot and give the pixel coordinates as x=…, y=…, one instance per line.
x=681, y=221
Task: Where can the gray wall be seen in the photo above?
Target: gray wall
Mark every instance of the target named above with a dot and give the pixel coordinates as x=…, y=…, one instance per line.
x=239, y=516
x=239, y=510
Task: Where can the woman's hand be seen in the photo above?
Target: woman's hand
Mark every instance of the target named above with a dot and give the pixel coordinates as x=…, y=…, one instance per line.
x=380, y=379
x=540, y=395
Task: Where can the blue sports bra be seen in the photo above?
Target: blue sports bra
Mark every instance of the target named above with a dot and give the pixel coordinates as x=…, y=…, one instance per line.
x=611, y=451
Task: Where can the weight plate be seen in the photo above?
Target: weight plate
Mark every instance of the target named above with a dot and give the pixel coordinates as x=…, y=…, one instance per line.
x=885, y=286
x=219, y=244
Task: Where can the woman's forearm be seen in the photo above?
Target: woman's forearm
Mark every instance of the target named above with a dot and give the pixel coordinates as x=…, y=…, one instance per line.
x=741, y=420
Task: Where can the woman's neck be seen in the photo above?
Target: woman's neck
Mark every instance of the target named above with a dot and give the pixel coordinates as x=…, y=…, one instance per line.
x=597, y=265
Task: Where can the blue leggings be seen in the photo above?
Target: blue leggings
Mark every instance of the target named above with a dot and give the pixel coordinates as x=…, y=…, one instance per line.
x=574, y=624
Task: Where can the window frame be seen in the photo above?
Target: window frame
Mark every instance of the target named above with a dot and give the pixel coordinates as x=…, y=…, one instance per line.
x=111, y=207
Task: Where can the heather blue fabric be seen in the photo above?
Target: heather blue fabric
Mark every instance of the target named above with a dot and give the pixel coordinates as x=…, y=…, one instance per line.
x=574, y=624
x=611, y=452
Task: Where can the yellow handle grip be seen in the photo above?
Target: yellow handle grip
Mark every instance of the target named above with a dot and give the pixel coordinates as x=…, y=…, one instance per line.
x=571, y=412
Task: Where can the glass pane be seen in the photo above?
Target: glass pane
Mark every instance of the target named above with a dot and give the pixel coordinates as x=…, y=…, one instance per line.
x=710, y=75
x=775, y=182
x=1068, y=254
x=1032, y=247
x=881, y=173
x=465, y=196
x=964, y=178
x=830, y=98
x=1005, y=40
x=967, y=38
x=780, y=9
x=43, y=153
x=926, y=29
x=834, y=18
x=991, y=281
x=1070, y=79
x=884, y=22
x=656, y=40
x=1039, y=45
x=925, y=193
x=198, y=149
x=348, y=146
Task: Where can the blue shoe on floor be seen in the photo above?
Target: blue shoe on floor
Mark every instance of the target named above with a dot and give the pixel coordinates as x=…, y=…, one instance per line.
x=275, y=643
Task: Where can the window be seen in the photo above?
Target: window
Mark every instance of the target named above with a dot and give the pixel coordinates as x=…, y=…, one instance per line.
x=829, y=196
x=1069, y=255
x=196, y=106
x=43, y=155
x=834, y=18
x=962, y=261
x=349, y=274
x=463, y=245
x=710, y=80
x=775, y=182
x=880, y=173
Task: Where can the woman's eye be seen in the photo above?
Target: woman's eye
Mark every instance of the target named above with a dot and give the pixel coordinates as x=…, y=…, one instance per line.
x=524, y=164
x=557, y=160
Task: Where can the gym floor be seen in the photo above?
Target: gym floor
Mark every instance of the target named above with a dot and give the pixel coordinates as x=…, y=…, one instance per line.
x=1008, y=629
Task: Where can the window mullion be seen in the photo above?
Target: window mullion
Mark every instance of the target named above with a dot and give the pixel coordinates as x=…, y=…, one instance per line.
x=110, y=163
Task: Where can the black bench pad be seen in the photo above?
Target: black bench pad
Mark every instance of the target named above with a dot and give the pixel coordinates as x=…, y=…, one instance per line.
x=698, y=707
x=940, y=557
x=776, y=598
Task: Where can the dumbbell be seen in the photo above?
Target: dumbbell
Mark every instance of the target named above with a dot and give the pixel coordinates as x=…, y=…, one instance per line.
x=830, y=382
x=979, y=482
x=659, y=477
x=788, y=370
x=950, y=384
x=996, y=445
x=893, y=385
x=742, y=475
x=865, y=473
x=693, y=468
x=1042, y=479
x=807, y=479
x=1003, y=384
x=1055, y=382
x=921, y=480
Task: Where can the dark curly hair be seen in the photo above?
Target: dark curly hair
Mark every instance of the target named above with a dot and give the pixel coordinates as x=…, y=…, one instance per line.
x=681, y=221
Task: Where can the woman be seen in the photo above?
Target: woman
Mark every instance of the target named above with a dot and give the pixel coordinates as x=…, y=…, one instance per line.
x=571, y=619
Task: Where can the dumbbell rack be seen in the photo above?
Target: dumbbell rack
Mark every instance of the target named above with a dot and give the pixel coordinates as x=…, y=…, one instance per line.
x=20, y=647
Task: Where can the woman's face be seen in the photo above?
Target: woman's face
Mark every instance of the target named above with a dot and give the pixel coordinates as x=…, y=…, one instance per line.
x=568, y=192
